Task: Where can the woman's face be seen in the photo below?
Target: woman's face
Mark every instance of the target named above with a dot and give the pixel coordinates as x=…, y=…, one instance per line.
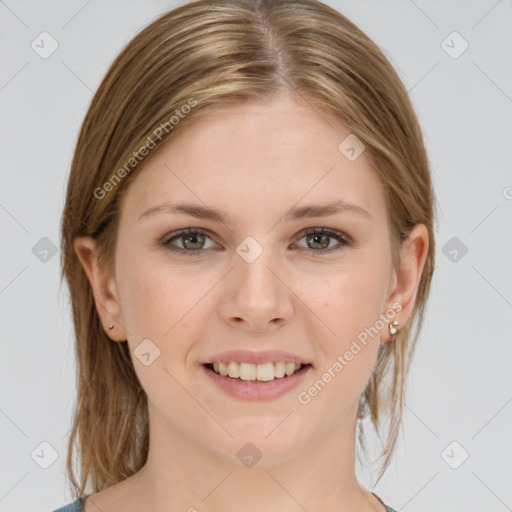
x=255, y=281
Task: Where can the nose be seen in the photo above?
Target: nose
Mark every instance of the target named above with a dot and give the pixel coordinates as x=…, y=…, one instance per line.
x=255, y=297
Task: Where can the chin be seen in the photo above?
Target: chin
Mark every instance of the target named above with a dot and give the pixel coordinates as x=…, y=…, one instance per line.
x=264, y=442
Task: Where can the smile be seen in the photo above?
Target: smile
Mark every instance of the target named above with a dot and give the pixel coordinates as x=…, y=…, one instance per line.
x=263, y=381
x=261, y=372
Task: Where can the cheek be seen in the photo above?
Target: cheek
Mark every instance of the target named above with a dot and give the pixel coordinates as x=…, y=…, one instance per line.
x=157, y=299
x=160, y=304
x=347, y=300
x=347, y=304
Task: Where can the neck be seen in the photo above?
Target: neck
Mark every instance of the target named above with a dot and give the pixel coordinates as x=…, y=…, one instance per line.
x=183, y=473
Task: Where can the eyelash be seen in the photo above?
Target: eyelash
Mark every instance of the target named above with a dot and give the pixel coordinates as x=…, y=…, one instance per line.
x=345, y=241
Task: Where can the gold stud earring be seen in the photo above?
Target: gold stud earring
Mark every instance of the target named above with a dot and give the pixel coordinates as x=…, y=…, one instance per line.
x=393, y=328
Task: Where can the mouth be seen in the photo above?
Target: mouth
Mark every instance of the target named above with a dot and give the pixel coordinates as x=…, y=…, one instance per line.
x=244, y=381
x=257, y=373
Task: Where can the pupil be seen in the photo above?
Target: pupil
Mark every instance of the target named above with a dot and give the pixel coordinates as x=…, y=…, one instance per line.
x=318, y=237
x=194, y=239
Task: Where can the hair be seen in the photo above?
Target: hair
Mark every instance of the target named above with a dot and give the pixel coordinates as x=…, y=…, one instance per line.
x=206, y=54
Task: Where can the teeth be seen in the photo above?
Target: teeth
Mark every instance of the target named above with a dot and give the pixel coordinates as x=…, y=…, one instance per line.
x=279, y=369
x=234, y=370
x=262, y=372
x=223, y=369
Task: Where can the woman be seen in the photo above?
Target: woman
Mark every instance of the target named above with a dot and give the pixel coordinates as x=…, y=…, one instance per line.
x=247, y=239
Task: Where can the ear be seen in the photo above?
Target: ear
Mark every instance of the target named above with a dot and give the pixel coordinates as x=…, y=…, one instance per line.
x=407, y=278
x=103, y=287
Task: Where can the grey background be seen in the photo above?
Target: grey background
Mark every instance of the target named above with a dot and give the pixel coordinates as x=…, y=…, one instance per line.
x=460, y=387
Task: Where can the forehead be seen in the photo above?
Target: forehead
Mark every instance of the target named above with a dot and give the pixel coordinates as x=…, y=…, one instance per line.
x=265, y=155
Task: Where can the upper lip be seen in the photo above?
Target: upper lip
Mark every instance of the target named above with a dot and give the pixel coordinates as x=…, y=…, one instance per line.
x=255, y=357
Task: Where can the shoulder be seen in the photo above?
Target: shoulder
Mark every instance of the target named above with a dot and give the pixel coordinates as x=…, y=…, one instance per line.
x=388, y=509
x=76, y=506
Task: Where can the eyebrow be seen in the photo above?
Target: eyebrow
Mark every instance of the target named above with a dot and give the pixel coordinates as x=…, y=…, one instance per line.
x=206, y=213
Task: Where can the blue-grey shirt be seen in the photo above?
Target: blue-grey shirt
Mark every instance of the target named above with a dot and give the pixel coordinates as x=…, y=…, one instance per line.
x=77, y=506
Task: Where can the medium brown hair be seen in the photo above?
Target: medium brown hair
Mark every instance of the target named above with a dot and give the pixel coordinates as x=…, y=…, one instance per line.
x=215, y=53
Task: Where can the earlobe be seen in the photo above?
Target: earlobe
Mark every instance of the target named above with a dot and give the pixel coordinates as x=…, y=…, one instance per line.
x=414, y=252
x=103, y=288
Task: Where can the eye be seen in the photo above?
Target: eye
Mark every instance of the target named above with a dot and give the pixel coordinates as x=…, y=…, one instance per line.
x=319, y=240
x=193, y=240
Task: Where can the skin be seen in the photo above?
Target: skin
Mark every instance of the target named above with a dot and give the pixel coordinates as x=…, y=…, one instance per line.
x=254, y=161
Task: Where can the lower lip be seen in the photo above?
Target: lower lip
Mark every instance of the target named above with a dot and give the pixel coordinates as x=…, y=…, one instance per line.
x=248, y=390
